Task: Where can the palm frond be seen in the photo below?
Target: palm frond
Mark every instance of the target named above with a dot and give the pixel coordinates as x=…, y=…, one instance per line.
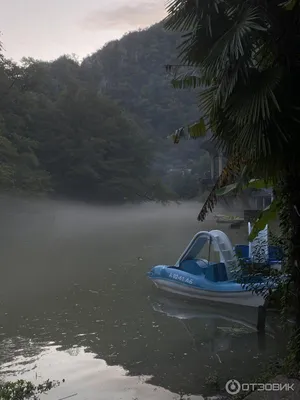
x=174, y=69
x=289, y=5
x=177, y=135
x=184, y=15
x=266, y=216
x=245, y=124
x=236, y=41
x=193, y=131
x=198, y=129
x=200, y=20
x=258, y=97
x=229, y=173
x=244, y=181
x=223, y=191
x=259, y=184
x=188, y=81
x=244, y=59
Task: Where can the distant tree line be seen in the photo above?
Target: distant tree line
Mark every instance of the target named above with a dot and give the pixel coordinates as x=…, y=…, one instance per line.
x=96, y=131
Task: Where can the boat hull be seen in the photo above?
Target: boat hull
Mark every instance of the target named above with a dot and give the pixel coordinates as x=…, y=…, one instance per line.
x=223, y=281
x=246, y=298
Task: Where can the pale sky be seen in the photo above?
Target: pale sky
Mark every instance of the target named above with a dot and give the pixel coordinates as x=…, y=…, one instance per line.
x=46, y=29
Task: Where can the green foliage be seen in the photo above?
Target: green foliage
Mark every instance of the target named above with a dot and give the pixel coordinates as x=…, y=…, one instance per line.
x=232, y=172
x=259, y=184
x=289, y=4
x=247, y=58
x=97, y=130
x=22, y=390
x=197, y=130
x=266, y=216
x=227, y=189
x=244, y=59
x=19, y=166
x=58, y=135
x=136, y=79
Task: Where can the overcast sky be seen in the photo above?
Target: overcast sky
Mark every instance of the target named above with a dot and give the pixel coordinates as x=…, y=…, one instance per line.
x=46, y=29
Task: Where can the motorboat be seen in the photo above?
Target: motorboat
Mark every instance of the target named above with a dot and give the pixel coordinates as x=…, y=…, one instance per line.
x=219, y=280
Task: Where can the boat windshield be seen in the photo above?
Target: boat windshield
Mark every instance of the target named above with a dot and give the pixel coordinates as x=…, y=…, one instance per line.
x=209, y=253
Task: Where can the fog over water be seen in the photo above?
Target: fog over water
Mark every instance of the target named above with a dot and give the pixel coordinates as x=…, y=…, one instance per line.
x=76, y=304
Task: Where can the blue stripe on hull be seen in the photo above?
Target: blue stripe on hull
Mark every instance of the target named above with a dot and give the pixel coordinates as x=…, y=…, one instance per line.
x=199, y=282
x=229, y=287
x=243, y=297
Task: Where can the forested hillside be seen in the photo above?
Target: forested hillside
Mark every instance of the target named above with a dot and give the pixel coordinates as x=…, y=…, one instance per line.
x=97, y=130
x=132, y=72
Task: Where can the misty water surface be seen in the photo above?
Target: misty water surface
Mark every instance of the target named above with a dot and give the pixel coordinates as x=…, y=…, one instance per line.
x=76, y=304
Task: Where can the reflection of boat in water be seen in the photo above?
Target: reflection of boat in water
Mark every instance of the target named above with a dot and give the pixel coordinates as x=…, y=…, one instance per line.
x=217, y=327
x=204, y=279
x=187, y=310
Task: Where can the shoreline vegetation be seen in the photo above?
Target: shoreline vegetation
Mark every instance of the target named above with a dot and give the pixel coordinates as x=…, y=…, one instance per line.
x=22, y=390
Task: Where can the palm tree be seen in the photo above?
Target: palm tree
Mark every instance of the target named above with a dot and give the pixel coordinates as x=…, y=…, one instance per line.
x=244, y=57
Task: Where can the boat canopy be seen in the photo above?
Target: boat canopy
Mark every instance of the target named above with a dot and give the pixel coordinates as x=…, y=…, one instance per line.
x=221, y=244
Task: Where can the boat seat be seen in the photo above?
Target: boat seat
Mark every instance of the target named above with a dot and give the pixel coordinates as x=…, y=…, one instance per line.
x=216, y=273
x=194, y=267
x=242, y=250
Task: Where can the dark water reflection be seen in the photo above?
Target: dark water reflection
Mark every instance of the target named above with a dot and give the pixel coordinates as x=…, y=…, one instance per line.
x=76, y=304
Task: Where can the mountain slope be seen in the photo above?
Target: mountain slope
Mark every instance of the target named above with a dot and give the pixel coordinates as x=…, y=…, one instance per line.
x=132, y=71
x=97, y=130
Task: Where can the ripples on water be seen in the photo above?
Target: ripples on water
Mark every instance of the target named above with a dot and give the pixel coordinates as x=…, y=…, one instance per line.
x=76, y=305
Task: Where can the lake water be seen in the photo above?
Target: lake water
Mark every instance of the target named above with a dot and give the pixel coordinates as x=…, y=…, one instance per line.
x=75, y=304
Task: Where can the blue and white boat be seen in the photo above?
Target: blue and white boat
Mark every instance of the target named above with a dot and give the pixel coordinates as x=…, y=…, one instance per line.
x=201, y=278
